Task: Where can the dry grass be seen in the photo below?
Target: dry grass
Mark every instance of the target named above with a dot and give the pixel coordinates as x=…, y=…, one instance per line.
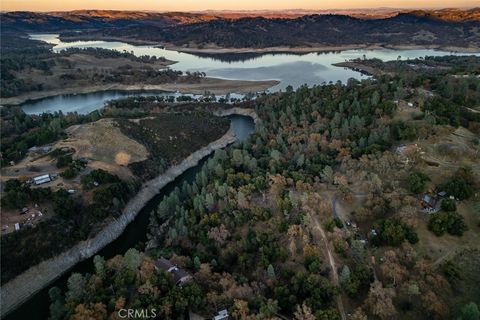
x=442, y=248
x=103, y=141
x=450, y=151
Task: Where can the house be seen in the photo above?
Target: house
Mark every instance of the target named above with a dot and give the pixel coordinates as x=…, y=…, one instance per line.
x=428, y=201
x=17, y=226
x=430, y=204
x=179, y=275
x=221, y=315
x=42, y=179
x=24, y=210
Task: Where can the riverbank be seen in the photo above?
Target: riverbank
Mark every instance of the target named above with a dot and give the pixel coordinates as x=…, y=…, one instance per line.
x=21, y=288
x=212, y=85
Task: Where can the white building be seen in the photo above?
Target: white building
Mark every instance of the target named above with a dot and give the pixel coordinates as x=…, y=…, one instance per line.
x=42, y=179
x=222, y=315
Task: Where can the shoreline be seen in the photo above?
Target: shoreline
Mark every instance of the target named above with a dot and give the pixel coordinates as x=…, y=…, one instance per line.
x=320, y=49
x=360, y=68
x=18, y=290
x=214, y=49
x=212, y=85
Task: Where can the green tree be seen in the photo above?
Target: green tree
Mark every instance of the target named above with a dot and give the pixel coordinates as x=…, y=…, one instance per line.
x=268, y=309
x=76, y=287
x=197, y=263
x=132, y=260
x=57, y=308
x=270, y=271
x=417, y=182
x=99, y=263
x=470, y=312
x=451, y=222
x=448, y=205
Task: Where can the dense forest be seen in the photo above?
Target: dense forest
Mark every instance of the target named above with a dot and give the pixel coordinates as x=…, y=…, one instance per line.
x=257, y=228
x=76, y=219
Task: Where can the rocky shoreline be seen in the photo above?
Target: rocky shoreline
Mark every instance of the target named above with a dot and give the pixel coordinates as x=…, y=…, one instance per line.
x=21, y=288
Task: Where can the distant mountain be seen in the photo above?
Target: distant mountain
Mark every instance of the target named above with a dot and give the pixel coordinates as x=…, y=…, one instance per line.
x=447, y=27
x=93, y=19
x=413, y=28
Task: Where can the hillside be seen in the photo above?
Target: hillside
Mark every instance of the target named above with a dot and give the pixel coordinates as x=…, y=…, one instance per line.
x=259, y=29
x=428, y=29
x=92, y=19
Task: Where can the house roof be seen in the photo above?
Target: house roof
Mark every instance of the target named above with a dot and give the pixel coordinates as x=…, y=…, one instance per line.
x=164, y=264
x=427, y=198
x=45, y=176
x=179, y=275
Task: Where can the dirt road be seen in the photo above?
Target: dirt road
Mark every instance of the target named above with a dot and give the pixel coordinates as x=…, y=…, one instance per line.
x=319, y=235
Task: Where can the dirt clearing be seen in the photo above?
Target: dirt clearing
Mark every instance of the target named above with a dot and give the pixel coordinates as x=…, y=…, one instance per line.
x=102, y=141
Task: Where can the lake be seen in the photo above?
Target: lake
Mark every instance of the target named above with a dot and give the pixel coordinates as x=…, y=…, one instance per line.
x=288, y=68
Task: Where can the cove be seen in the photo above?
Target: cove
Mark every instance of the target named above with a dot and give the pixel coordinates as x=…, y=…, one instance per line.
x=37, y=307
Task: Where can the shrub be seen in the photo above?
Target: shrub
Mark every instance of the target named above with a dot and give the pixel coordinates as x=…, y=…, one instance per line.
x=393, y=232
x=64, y=160
x=69, y=173
x=98, y=176
x=329, y=224
x=461, y=184
x=450, y=222
x=417, y=182
x=449, y=205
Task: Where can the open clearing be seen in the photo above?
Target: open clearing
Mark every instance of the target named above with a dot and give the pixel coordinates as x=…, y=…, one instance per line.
x=443, y=248
x=104, y=145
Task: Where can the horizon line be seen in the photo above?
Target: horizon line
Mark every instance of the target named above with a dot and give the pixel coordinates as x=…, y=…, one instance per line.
x=254, y=10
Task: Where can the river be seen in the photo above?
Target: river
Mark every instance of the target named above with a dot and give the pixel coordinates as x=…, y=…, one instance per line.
x=37, y=307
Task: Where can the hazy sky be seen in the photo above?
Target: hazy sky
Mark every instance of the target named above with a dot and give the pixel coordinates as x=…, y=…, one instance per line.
x=190, y=5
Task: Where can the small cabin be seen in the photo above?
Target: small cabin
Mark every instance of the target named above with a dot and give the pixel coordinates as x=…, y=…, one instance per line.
x=179, y=275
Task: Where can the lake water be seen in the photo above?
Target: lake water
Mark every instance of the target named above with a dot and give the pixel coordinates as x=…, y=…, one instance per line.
x=81, y=103
x=288, y=68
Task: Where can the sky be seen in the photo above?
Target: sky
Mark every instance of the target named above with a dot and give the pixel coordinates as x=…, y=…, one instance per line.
x=197, y=5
